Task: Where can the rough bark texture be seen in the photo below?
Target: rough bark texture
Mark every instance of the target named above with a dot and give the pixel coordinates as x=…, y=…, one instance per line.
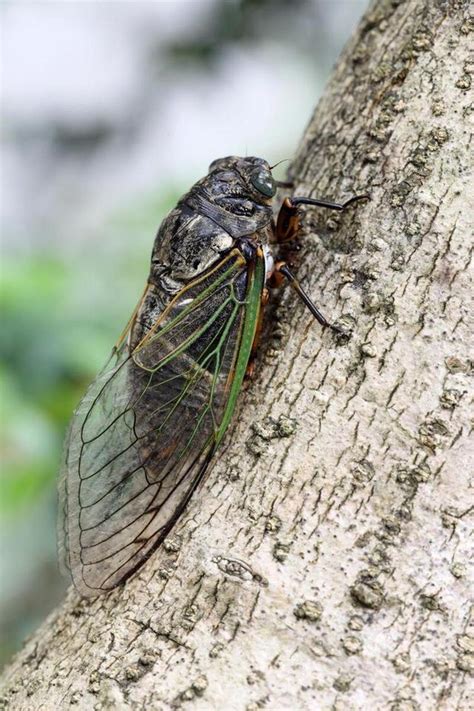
x=325, y=562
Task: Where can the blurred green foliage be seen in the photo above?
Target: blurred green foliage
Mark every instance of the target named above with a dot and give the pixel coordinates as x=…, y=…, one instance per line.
x=40, y=375
x=61, y=315
x=62, y=310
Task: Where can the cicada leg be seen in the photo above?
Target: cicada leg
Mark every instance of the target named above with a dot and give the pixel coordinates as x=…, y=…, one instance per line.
x=288, y=221
x=287, y=228
x=281, y=268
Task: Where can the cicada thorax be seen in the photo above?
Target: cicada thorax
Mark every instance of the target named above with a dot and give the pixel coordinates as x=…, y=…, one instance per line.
x=206, y=225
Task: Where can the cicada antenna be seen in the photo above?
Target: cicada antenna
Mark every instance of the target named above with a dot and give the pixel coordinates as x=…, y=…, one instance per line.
x=283, y=160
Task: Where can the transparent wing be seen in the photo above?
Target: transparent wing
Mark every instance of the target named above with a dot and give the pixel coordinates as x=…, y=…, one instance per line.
x=142, y=436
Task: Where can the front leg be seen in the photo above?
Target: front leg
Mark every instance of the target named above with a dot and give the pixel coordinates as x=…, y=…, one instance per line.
x=282, y=270
x=287, y=229
x=288, y=222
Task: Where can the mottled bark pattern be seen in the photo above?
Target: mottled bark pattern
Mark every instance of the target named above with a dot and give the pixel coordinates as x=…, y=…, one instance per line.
x=325, y=563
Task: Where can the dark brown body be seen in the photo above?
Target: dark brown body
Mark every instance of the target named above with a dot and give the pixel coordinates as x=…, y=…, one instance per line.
x=143, y=435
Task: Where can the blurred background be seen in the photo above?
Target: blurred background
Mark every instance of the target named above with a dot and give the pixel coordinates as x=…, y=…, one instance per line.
x=109, y=112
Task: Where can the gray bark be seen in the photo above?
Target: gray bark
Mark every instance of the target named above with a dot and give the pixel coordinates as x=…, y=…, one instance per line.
x=325, y=563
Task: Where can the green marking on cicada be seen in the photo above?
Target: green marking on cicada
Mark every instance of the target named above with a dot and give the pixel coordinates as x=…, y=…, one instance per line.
x=248, y=333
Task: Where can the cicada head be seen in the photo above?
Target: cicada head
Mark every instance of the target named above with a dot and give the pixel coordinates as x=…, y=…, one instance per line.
x=249, y=178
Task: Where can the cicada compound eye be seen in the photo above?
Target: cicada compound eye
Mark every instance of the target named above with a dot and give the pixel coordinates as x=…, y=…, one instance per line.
x=263, y=181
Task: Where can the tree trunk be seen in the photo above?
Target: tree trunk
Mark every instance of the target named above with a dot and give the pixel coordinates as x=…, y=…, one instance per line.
x=324, y=564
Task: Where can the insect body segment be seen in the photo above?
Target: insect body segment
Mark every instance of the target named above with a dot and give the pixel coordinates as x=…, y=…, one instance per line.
x=142, y=437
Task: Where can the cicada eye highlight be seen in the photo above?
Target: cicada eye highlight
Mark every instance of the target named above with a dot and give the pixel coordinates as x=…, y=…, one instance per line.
x=263, y=181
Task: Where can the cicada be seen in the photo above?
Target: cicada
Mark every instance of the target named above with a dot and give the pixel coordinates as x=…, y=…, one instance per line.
x=147, y=428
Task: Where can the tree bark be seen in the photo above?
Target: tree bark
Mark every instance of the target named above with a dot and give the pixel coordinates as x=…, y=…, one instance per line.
x=325, y=562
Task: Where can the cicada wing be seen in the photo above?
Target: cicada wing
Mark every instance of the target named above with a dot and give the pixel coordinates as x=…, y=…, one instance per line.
x=147, y=427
